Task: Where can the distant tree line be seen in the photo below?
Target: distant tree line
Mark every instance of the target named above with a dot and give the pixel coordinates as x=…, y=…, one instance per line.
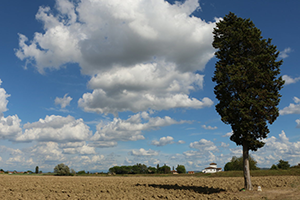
x=236, y=164
x=281, y=165
x=143, y=169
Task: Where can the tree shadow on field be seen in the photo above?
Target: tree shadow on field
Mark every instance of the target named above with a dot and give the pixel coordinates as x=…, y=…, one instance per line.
x=198, y=189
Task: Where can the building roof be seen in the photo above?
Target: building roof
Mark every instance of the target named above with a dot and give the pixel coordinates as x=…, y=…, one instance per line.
x=213, y=164
x=211, y=168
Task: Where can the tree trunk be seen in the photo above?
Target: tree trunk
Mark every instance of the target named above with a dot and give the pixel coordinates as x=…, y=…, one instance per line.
x=247, y=178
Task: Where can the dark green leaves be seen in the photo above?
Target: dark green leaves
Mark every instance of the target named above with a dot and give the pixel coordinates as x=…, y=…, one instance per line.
x=247, y=80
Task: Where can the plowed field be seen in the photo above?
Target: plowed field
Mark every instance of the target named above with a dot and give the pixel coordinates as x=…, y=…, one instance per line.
x=50, y=187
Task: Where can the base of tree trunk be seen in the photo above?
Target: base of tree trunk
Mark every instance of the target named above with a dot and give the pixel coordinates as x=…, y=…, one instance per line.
x=247, y=177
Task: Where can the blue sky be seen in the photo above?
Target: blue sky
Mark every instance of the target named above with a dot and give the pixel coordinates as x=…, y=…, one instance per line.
x=94, y=84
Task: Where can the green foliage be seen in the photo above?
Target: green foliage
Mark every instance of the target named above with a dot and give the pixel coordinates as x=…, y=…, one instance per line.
x=81, y=172
x=152, y=170
x=274, y=167
x=181, y=169
x=247, y=80
x=139, y=169
x=164, y=169
x=283, y=164
x=135, y=169
x=296, y=166
x=236, y=164
x=63, y=170
x=37, y=169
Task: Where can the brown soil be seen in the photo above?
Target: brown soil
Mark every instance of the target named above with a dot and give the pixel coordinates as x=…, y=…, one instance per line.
x=50, y=187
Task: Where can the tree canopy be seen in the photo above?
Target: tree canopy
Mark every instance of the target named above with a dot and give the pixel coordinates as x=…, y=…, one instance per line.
x=247, y=80
x=247, y=83
x=63, y=170
x=181, y=169
x=283, y=164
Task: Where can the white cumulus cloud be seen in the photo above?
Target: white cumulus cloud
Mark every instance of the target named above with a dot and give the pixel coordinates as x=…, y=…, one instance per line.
x=181, y=142
x=55, y=128
x=10, y=127
x=47, y=152
x=141, y=55
x=223, y=144
x=157, y=86
x=131, y=129
x=143, y=152
x=292, y=108
x=63, y=102
x=285, y=52
x=289, y=80
x=83, y=150
x=3, y=99
x=204, y=145
x=102, y=34
x=163, y=141
x=277, y=148
x=209, y=127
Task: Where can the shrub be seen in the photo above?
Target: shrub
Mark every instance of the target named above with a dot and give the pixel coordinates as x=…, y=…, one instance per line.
x=283, y=164
x=181, y=169
x=63, y=170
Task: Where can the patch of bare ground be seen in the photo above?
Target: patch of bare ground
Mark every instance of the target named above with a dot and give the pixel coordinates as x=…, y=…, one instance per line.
x=49, y=187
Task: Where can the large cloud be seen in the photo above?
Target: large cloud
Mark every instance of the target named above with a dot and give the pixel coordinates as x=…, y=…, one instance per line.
x=47, y=152
x=55, y=128
x=144, y=86
x=102, y=34
x=130, y=129
x=277, y=148
x=141, y=54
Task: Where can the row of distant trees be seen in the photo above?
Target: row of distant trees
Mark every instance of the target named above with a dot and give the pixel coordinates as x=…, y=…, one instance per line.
x=236, y=164
x=28, y=171
x=143, y=169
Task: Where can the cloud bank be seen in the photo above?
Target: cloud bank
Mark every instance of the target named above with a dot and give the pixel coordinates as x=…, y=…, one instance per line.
x=140, y=56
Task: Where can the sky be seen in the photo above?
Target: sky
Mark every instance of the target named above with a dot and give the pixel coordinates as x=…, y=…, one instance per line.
x=94, y=83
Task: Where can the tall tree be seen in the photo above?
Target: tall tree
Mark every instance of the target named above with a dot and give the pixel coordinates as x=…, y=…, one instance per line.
x=37, y=169
x=248, y=83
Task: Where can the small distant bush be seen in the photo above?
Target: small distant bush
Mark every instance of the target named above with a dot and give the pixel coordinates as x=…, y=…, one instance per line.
x=81, y=172
x=274, y=167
